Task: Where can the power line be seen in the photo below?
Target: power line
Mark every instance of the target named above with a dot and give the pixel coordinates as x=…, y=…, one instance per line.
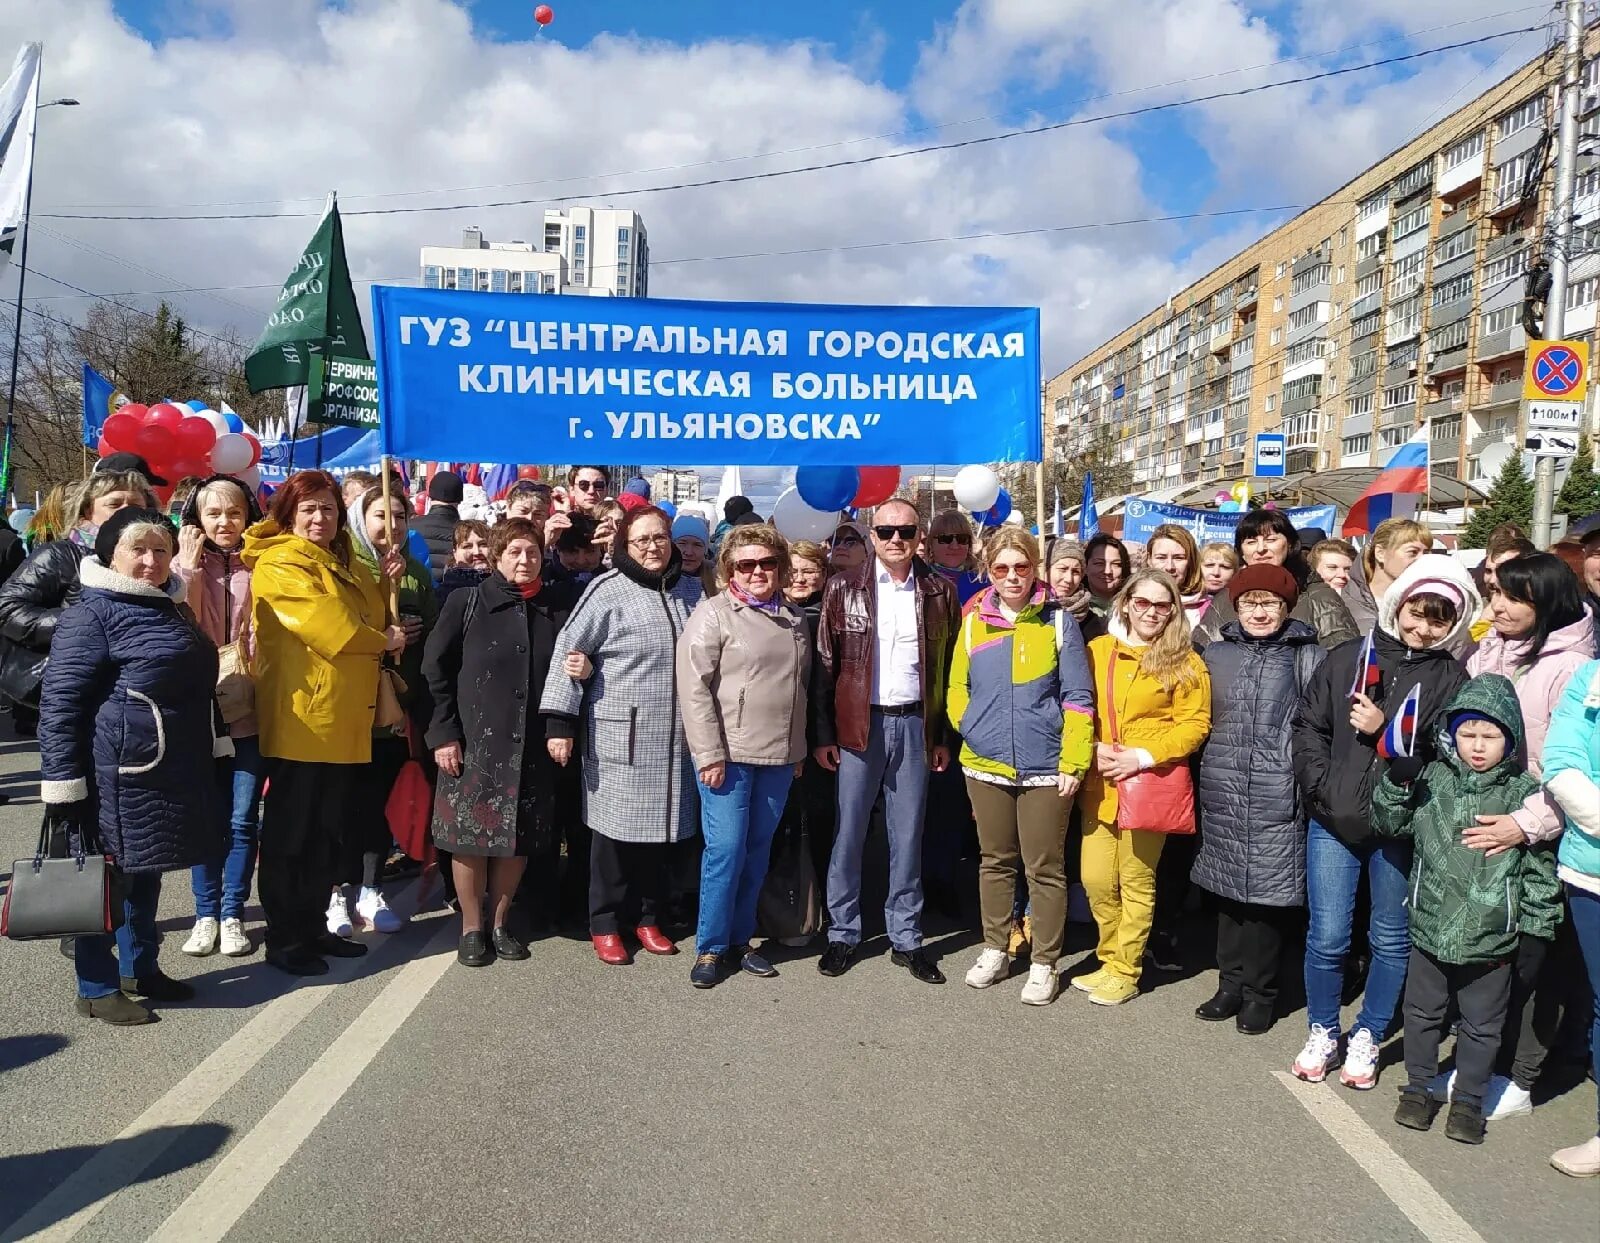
x=843, y=142
x=875, y=158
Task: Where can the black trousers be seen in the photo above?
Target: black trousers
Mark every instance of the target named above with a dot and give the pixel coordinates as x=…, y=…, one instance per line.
x=1250, y=941
x=308, y=807
x=1481, y=993
x=627, y=883
x=365, y=839
x=1547, y=982
x=1173, y=885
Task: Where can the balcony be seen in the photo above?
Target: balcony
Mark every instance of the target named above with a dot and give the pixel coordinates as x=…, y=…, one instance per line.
x=1443, y=406
x=1305, y=433
x=1221, y=338
x=1495, y=436
x=1403, y=415
x=1248, y=297
x=1506, y=393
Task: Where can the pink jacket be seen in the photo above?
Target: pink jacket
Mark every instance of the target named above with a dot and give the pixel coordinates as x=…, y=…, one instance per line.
x=219, y=594
x=1539, y=689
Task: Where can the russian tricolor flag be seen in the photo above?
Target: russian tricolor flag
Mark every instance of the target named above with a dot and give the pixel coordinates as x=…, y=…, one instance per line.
x=1394, y=493
x=1369, y=676
x=1399, y=737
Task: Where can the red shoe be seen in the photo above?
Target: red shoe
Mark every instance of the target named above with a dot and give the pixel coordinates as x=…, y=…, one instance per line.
x=611, y=951
x=654, y=940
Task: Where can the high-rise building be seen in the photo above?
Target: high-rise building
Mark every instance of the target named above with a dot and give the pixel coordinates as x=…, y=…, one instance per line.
x=678, y=486
x=588, y=251
x=1399, y=298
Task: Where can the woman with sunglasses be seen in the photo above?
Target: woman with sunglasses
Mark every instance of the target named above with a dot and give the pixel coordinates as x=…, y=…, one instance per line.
x=847, y=550
x=1154, y=711
x=950, y=550
x=638, y=782
x=743, y=662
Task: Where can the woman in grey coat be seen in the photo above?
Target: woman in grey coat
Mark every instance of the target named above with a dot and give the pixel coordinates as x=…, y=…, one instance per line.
x=638, y=780
x=1253, y=832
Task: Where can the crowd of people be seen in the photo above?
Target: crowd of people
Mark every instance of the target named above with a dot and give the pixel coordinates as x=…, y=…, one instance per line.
x=628, y=721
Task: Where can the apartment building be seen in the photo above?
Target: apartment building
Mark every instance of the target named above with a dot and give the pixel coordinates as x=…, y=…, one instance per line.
x=587, y=251
x=681, y=487
x=1397, y=299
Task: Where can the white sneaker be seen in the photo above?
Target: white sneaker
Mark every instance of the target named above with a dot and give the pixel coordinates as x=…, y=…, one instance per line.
x=203, y=940
x=1318, y=1057
x=1504, y=1099
x=339, y=914
x=374, y=912
x=1360, y=1069
x=1444, y=1087
x=1579, y=1161
x=234, y=942
x=990, y=968
x=1040, y=990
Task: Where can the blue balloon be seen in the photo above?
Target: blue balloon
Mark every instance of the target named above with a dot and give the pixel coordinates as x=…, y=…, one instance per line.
x=235, y=423
x=19, y=520
x=827, y=488
x=1000, y=511
x=196, y=406
x=1033, y=528
x=668, y=508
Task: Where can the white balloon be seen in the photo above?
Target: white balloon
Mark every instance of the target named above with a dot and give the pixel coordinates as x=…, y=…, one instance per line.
x=231, y=454
x=976, y=488
x=218, y=421
x=251, y=478
x=796, y=520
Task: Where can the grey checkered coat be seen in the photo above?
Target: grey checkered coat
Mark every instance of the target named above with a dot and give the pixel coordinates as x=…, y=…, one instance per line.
x=638, y=780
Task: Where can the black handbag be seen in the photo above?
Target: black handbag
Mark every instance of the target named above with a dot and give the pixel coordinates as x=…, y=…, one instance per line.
x=21, y=672
x=64, y=890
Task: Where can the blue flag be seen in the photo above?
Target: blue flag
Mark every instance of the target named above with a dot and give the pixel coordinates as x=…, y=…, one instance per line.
x=1088, y=520
x=99, y=400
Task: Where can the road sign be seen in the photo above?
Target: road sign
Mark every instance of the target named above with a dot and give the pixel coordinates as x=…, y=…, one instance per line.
x=1271, y=453
x=1558, y=416
x=1552, y=444
x=1556, y=371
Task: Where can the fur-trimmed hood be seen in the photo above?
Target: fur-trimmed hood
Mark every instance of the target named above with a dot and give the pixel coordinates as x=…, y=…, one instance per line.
x=91, y=574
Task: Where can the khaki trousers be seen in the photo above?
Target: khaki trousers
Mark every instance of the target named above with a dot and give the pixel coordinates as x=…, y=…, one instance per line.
x=1026, y=827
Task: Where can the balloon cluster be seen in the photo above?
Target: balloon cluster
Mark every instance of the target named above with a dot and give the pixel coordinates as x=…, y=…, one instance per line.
x=1235, y=500
x=182, y=440
x=810, y=510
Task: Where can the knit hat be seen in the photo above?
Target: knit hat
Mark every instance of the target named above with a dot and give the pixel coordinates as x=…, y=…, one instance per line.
x=1458, y=719
x=446, y=488
x=638, y=487
x=1263, y=576
x=1065, y=549
x=631, y=501
x=114, y=462
x=110, y=533
x=734, y=506
x=691, y=526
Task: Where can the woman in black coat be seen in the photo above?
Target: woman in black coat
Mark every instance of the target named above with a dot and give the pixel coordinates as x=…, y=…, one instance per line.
x=1253, y=844
x=486, y=663
x=128, y=741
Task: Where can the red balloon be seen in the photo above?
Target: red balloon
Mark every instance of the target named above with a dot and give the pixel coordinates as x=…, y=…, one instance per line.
x=165, y=414
x=528, y=472
x=544, y=15
x=877, y=485
x=104, y=449
x=136, y=409
x=195, y=438
x=164, y=493
x=157, y=445
x=255, y=448
x=121, y=432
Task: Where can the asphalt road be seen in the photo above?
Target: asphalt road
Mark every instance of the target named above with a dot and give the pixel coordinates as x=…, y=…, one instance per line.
x=405, y=1097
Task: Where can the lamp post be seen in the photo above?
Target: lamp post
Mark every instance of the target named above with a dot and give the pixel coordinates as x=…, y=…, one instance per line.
x=22, y=279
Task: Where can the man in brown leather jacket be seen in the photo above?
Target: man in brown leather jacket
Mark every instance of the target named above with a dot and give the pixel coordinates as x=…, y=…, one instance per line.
x=883, y=655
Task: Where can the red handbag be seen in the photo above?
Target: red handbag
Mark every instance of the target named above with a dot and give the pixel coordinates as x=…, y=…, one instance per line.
x=409, y=809
x=1156, y=800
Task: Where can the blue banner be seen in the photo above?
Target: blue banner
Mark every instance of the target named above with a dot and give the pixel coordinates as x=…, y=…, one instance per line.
x=99, y=400
x=506, y=377
x=343, y=448
x=1140, y=518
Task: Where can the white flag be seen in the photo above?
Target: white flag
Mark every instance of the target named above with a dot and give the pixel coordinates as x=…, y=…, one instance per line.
x=19, y=104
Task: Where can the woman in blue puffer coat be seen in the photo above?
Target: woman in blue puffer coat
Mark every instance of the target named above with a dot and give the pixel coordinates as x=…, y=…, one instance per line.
x=128, y=739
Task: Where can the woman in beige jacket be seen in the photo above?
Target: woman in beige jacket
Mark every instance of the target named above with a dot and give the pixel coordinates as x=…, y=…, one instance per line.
x=743, y=661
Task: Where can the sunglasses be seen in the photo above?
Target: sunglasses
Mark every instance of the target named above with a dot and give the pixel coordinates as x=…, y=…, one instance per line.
x=1159, y=607
x=765, y=564
x=964, y=540
x=844, y=541
x=589, y=485
x=905, y=532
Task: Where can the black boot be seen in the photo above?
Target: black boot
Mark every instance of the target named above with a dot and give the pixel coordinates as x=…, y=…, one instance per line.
x=1465, y=1124
x=1220, y=1008
x=1255, y=1018
x=1416, y=1109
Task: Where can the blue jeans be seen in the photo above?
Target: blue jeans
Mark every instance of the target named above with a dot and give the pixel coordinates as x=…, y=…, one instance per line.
x=222, y=886
x=137, y=942
x=738, y=820
x=1333, y=874
x=895, y=761
x=1585, y=910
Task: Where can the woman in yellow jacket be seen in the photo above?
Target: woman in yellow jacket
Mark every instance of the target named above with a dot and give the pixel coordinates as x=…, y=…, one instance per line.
x=1145, y=669
x=319, y=636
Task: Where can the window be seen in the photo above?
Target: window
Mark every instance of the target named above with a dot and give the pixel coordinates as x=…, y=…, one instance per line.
x=430, y=276
x=1456, y=245
x=1453, y=290
x=1508, y=179
x=1363, y=364
x=1369, y=284
x=549, y=282
x=1451, y=336
x=1587, y=183
x=1498, y=321
x=1306, y=316
x=1371, y=245
x=1350, y=446
x=1507, y=267
x=483, y=280
x=1305, y=386
x=1272, y=402
x=580, y=232
x=624, y=235
x=1366, y=326
x=1277, y=302
x=1389, y=437
x=1405, y=275
x=1277, y=335
x=1446, y=428
x=1519, y=118
x=1416, y=218
x=514, y=282
x=1464, y=151
x=1373, y=204
x=466, y=278
x=1278, y=275
x=1449, y=468
x=1582, y=293
x=578, y=275
x=1311, y=278
x=1400, y=395
x=497, y=281
x=1403, y=319
x=1239, y=382
x=1305, y=351
x=1362, y=405
x=1400, y=355
x=580, y=250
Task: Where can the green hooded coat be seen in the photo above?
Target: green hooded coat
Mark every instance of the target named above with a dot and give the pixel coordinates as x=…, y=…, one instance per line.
x=1467, y=906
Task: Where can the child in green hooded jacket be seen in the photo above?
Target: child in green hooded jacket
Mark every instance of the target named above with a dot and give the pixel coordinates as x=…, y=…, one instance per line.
x=1468, y=907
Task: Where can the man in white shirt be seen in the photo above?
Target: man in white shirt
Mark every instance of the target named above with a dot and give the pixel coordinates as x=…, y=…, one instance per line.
x=884, y=641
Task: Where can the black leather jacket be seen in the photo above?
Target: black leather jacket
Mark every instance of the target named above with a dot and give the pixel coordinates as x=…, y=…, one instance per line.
x=34, y=597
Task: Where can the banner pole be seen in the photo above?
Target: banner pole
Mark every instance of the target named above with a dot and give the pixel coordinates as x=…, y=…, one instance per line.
x=1038, y=496
x=392, y=588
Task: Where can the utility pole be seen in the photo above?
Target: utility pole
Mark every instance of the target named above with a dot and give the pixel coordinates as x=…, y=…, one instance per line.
x=1559, y=240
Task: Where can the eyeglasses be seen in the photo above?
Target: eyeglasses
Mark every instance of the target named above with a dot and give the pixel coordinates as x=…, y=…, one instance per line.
x=765, y=564
x=964, y=540
x=1260, y=604
x=590, y=485
x=844, y=541
x=907, y=531
x=650, y=541
x=1161, y=608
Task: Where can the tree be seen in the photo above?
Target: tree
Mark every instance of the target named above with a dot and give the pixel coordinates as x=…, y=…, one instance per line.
x=1510, y=500
x=1064, y=477
x=1580, y=495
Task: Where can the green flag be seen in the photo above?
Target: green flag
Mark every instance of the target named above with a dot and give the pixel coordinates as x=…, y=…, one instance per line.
x=316, y=310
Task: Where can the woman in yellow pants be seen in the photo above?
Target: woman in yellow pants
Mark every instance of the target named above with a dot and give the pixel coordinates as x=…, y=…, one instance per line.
x=1158, y=712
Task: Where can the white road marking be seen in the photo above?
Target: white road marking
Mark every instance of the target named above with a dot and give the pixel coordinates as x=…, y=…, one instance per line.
x=233, y=1185
x=1410, y=1192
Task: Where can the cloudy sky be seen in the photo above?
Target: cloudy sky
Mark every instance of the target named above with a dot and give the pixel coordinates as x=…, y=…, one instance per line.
x=243, y=108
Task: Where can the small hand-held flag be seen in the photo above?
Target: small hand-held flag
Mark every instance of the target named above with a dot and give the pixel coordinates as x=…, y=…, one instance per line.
x=1088, y=520
x=1369, y=677
x=1399, y=736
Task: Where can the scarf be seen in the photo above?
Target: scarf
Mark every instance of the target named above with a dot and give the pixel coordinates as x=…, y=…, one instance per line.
x=529, y=590
x=1077, y=603
x=745, y=598
x=83, y=535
